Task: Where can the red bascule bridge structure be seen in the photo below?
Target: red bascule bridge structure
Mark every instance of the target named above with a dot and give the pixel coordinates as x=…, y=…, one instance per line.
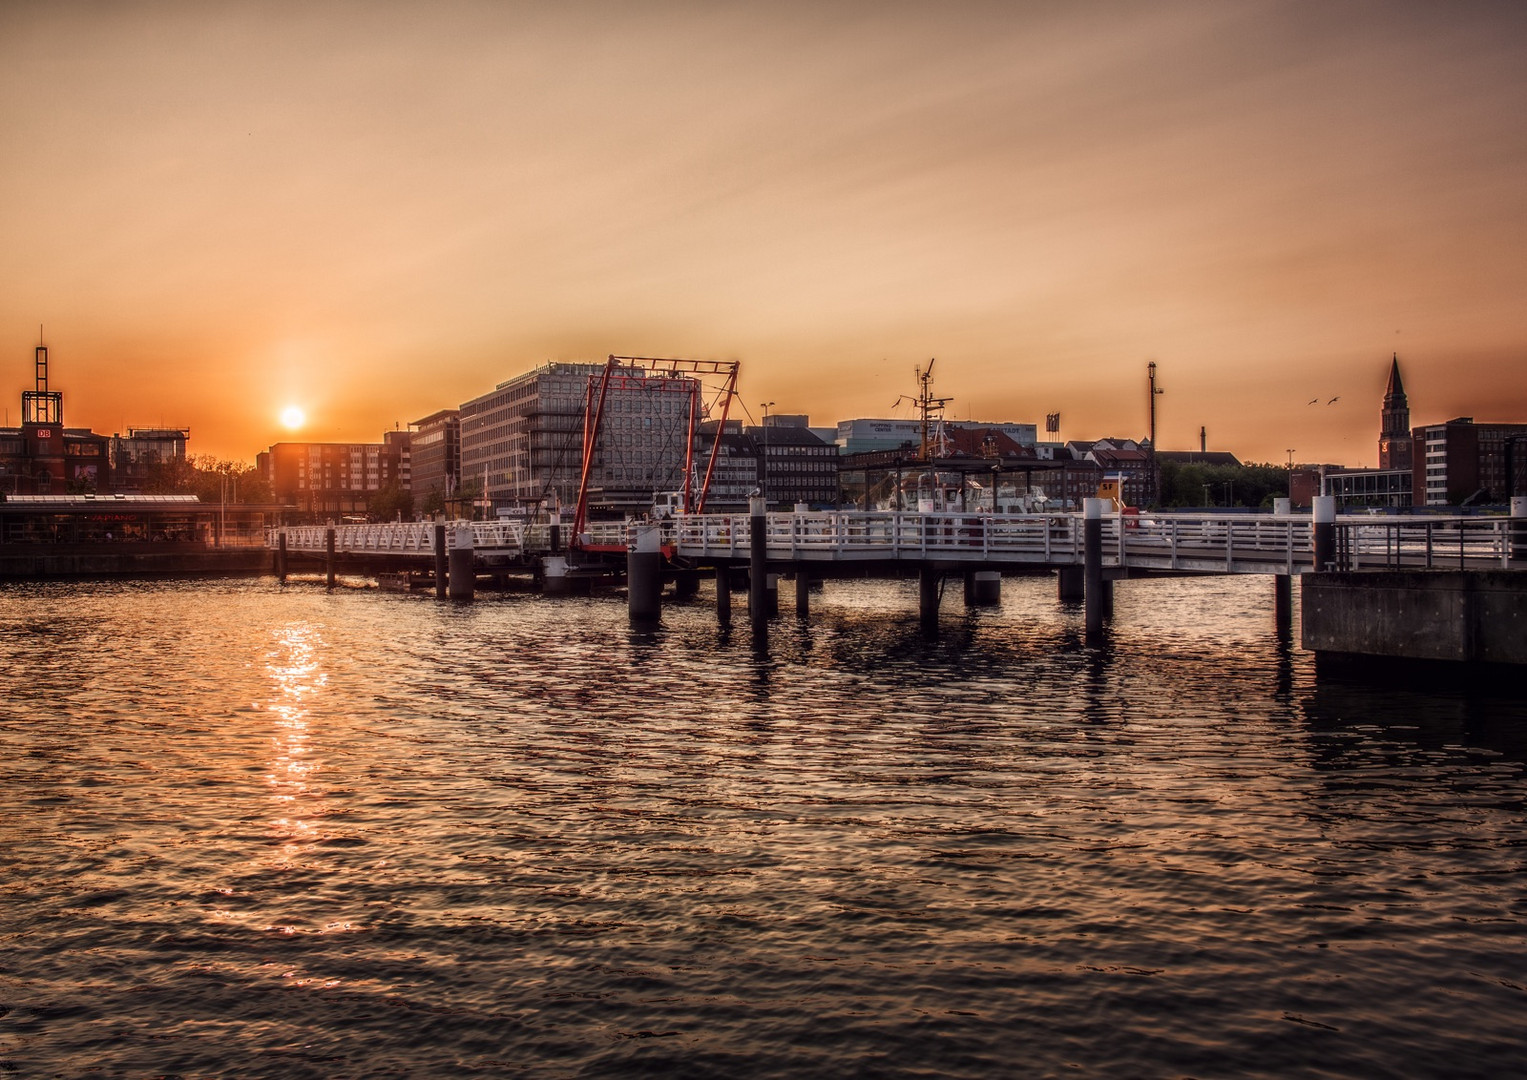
x=710, y=386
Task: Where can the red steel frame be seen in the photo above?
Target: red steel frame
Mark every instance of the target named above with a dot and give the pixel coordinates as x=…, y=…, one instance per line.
x=593, y=417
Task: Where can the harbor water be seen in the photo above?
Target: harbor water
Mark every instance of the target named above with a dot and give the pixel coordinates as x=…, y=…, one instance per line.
x=262, y=831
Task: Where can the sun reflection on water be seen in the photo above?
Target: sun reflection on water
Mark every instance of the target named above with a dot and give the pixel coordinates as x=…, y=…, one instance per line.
x=296, y=670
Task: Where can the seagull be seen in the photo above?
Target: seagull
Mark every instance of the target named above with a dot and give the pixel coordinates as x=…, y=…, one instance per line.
x=1314, y=401
x=1334, y=400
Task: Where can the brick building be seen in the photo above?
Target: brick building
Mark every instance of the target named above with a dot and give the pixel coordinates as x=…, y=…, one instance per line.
x=42, y=457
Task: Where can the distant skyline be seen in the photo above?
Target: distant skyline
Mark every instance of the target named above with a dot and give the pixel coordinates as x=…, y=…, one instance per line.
x=372, y=211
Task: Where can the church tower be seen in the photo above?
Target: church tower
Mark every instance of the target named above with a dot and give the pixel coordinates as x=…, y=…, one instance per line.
x=1394, y=429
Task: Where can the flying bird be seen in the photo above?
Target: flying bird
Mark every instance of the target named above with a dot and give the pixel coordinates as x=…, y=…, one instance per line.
x=1313, y=401
x=1334, y=400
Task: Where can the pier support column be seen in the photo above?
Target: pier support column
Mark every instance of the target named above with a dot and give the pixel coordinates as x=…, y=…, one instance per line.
x=441, y=567
x=927, y=597
x=686, y=584
x=281, y=557
x=983, y=588
x=802, y=592
x=1325, y=532
x=1518, y=528
x=644, y=575
x=328, y=557
x=554, y=575
x=1071, y=583
x=758, y=565
x=463, y=575
x=724, y=596
x=1098, y=599
x=555, y=531
x=1283, y=604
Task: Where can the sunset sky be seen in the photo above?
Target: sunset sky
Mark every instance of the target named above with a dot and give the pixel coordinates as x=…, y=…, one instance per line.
x=376, y=210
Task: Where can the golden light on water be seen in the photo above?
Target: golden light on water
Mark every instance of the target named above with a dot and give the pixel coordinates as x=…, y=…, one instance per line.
x=297, y=675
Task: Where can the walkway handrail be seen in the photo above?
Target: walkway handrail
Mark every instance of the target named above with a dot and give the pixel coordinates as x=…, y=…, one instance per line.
x=398, y=537
x=1182, y=542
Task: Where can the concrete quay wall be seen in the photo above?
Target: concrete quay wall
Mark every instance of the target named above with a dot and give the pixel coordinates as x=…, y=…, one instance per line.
x=1455, y=616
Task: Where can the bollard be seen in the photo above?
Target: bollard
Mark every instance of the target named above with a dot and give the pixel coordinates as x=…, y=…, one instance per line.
x=441, y=578
x=281, y=557
x=462, y=574
x=758, y=565
x=1097, y=600
x=724, y=596
x=1325, y=533
x=644, y=575
x=328, y=556
x=1518, y=528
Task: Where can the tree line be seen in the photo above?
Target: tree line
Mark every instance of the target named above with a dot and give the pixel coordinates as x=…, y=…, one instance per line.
x=1195, y=485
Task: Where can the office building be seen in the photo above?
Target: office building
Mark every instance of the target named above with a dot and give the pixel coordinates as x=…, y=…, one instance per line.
x=327, y=480
x=522, y=442
x=435, y=459
x=1463, y=463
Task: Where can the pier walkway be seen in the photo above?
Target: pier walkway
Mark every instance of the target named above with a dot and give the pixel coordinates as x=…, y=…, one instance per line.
x=1162, y=543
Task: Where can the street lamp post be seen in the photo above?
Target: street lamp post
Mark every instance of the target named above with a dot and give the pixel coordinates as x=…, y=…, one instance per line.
x=1150, y=463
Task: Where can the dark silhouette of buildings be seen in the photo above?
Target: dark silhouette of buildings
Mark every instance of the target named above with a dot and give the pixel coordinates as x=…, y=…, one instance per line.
x=42, y=457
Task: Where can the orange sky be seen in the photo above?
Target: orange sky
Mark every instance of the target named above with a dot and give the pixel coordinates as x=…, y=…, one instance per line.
x=376, y=210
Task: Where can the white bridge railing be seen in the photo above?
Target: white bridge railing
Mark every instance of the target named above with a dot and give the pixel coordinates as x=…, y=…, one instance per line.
x=1190, y=543
x=1220, y=543
x=399, y=537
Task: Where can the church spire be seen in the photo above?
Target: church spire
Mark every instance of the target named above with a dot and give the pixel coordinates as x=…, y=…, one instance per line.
x=1395, y=447
x=1394, y=393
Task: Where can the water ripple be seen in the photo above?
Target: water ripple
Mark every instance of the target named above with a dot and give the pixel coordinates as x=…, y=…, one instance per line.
x=255, y=831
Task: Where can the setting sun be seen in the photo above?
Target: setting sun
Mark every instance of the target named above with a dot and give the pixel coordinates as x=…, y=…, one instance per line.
x=293, y=417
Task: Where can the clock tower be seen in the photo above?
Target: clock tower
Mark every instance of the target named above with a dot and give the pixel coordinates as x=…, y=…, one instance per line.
x=1394, y=429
